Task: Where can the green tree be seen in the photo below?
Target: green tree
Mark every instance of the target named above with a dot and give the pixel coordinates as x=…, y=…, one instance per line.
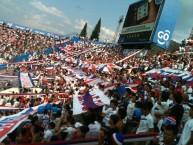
x=83, y=33
x=96, y=31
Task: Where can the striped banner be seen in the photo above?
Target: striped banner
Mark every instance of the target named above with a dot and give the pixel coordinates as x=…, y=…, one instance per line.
x=25, y=80
x=93, y=99
x=3, y=108
x=31, y=94
x=10, y=123
x=174, y=74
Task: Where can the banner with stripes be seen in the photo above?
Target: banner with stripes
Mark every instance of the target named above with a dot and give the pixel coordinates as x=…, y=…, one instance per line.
x=93, y=99
x=174, y=74
x=10, y=123
x=25, y=80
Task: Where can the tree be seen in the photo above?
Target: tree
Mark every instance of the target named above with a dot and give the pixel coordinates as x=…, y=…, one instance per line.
x=83, y=33
x=96, y=31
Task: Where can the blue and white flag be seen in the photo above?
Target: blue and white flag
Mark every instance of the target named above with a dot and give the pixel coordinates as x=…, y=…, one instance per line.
x=10, y=123
x=174, y=74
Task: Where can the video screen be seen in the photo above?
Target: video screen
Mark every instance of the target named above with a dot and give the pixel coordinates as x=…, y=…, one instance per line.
x=140, y=21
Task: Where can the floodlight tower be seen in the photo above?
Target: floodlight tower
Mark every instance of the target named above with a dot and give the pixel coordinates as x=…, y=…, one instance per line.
x=117, y=29
x=191, y=34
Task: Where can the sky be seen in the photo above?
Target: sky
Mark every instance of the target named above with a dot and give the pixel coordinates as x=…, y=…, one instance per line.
x=68, y=17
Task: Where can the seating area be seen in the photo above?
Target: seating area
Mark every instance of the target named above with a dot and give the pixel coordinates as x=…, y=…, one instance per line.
x=87, y=92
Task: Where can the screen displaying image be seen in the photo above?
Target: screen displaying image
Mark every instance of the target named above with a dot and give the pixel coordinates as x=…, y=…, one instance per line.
x=140, y=21
x=142, y=12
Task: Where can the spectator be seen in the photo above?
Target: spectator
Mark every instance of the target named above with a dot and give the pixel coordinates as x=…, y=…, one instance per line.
x=169, y=135
x=106, y=113
x=49, y=133
x=80, y=132
x=105, y=134
x=177, y=110
x=121, y=123
x=21, y=139
x=187, y=133
x=146, y=122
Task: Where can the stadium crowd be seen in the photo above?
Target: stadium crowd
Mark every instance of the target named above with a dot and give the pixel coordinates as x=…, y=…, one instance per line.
x=157, y=104
x=15, y=42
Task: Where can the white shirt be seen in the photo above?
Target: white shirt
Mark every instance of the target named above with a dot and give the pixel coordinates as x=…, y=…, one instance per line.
x=159, y=124
x=159, y=108
x=78, y=124
x=16, y=104
x=174, y=66
x=180, y=66
x=48, y=134
x=45, y=121
x=2, y=101
x=186, y=133
x=130, y=109
x=108, y=113
x=93, y=130
x=146, y=123
x=186, y=115
x=189, y=92
x=170, y=103
x=70, y=130
x=184, y=87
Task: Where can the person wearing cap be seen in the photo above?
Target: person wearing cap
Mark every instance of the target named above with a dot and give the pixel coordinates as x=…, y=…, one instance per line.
x=187, y=133
x=166, y=123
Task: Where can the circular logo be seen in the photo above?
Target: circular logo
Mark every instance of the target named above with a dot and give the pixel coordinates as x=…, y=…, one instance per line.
x=163, y=37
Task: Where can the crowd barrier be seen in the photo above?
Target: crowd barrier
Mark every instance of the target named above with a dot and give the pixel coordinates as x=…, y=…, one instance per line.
x=128, y=139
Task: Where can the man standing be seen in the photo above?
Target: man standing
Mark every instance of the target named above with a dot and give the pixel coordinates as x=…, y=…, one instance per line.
x=146, y=122
x=187, y=133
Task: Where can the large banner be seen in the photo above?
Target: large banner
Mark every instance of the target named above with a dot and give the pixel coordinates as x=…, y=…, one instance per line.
x=166, y=23
x=10, y=123
x=25, y=80
x=174, y=74
x=93, y=99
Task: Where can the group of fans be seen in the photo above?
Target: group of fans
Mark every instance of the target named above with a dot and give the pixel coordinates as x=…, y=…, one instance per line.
x=15, y=42
x=156, y=104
